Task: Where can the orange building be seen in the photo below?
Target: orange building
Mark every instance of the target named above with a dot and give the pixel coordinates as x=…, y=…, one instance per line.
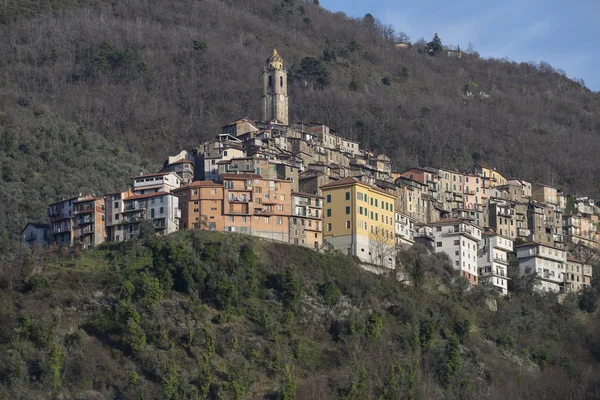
x=201, y=204
x=257, y=206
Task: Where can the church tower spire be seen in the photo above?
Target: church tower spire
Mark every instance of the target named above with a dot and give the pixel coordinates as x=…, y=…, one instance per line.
x=275, y=98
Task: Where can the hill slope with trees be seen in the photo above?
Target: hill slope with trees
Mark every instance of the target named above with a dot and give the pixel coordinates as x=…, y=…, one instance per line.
x=151, y=78
x=211, y=315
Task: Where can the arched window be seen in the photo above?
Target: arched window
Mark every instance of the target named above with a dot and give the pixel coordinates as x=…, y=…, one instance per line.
x=281, y=81
x=270, y=81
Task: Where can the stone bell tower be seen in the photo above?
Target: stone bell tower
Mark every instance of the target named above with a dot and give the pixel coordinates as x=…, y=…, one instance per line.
x=275, y=98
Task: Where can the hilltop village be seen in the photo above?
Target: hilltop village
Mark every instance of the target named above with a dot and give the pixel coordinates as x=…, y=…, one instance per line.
x=307, y=185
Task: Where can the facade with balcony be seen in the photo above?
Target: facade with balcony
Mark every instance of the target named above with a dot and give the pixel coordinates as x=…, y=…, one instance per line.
x=306, y=221
x=161, y=208
x=460, y=241
x=114, y=206
x=404, y=228
x=547, y=263
x=60, y=217
x=256, y=206
x=36, y=234
x=89, y=225
x=578, y=275
x=493, y=261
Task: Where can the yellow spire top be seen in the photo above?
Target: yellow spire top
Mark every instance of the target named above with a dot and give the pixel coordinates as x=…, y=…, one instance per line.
x=275, y=61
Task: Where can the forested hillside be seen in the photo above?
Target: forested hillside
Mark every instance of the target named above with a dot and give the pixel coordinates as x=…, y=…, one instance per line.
x=148, y=78
x=199, y=314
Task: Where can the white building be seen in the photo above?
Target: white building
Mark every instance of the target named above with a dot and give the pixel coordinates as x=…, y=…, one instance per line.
x=162, y=208
x=404, y=230
x=36, y=234
x=546, y=262
x=159, y=182
x=493, y=261
x=460, y=240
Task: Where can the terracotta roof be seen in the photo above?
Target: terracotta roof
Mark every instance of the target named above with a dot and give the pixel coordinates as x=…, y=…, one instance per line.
x=146, y=196
x=149, y=175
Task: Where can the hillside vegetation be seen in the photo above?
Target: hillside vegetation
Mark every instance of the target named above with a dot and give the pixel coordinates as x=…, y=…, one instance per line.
x=212, y=315
x=152, y=77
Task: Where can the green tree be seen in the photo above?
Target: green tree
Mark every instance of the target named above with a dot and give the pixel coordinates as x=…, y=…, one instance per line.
x=313, y=71
x=435, y=46
x=291, y=289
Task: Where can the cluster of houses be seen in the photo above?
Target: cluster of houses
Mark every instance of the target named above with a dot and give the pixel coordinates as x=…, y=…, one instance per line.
x=307, y=185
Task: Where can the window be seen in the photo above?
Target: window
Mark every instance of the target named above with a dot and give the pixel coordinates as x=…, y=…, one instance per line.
x=281, y=81
x=270, y=81
x=347, y=195
x=347, y=224
x=347, y=209
x=280, y=207
x=438, y=228
x=279, y=221
x=438, y=244
x=116, y=204
x=232, y=219
x=213, y=191
x=243, y=219
x=329, y=227
x=329, y=212
x=195, y=202
x=329, y=198
x=360, y=210
x=266, y=220
x=162, y=209
x=117, y=216
x=195, y=210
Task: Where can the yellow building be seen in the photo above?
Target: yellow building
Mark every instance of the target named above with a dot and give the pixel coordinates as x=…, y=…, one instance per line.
x=359, y=220
x=497, y=179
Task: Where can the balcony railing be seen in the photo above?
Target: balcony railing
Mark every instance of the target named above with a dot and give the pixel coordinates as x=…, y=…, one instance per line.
x=85, y=220
x=84, y=209
x=239, y=199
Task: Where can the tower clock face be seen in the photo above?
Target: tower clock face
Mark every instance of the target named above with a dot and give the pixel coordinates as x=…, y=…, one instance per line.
x=281, y=97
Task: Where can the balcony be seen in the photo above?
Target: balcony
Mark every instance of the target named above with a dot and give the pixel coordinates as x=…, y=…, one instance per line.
x=523, y=232
x=160, y=223
x=133, y=206
x=242, y=198
x=85, y=220
x=558, y=238
x=501, y=260
x=260, y=211
x=88, y=208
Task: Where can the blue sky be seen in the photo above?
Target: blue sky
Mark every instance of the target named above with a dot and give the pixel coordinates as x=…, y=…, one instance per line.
x=565, y=34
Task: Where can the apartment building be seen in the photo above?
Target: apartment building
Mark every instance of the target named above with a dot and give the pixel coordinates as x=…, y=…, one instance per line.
x=502, y=219
x=404, y=228
x=89, y=225
x=60, y=216
x=460, y=241
x=493, y=261
x=201, y=204
x=257, y=206
x=483, y=170
x=114, y=206
x=359, y=220
x=306, y=221
x=158, y=182
x=546, y=262
x=161, y=208
x=574, y=275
